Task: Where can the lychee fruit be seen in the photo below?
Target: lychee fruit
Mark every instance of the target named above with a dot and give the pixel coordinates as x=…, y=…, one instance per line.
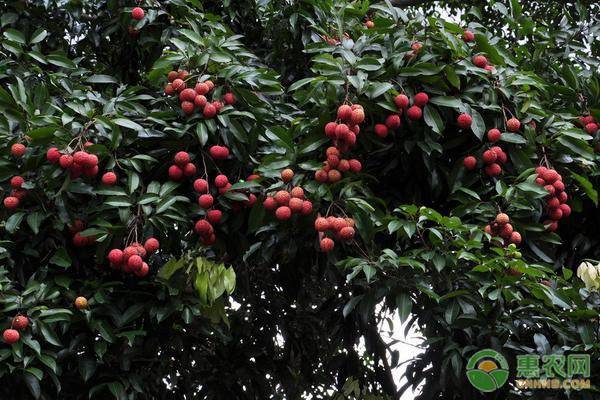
x=10, y=336
x=205, y=201
x=494, y=135
x=137, y=13
x=513, y=125
x=464, y=121
x=326, y=245
x=421, y=99
x=401, y=101
x=414, y=113
x=287, y=175
x=109, y=178
x=81, y=303
x=470, y=163
x=283, y=213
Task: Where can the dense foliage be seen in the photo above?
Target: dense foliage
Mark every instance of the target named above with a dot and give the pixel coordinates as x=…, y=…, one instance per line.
x=273, y=273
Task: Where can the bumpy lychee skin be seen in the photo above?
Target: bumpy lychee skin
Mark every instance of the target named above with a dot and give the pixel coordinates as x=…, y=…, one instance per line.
x=470, y=163
x=369, y=24
x=205, y=201
x=326, y=245
x=513, y=125
x=221, y=181
x=18, y=149
x=187, y=107
x=468, y=36
x=480, y=61
x=355, y=165
x=334, y=176
x=493, y=170
x=591, y=128
x=297, y=192
x=464, y=121
x=11, y=202
x=10, y=336
x=81, y=303
x=421, y=99
x=381, y=130
x=209, y=111
x=295, y=204
x=283, y=213
x=330, y=130
x=214, y=216
x=494, y=135
x=414, y=113
x=137, y=13
x=282, y=197
x=109, y=178
x=115, y=256
x=229, y=98
x=178, y=84
x=347, y=233
x=219, y=152
x=189, y=170
x=175, y=173
x=187, y=95
x=344, y=112
x=20, y=322
x=489, y=156
x=515, y=238
x=502, y=219
x=393, y=121
x=401, y=101
x=201, y=185
x=151, y=245
x=16, y=182
x=53, y=155
x=181, y=158
x=203, y=227
x=287, y=175
x=171, y=76
x=270, y=204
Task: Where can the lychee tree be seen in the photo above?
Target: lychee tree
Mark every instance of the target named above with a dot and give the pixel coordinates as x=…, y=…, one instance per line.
x=189, y=214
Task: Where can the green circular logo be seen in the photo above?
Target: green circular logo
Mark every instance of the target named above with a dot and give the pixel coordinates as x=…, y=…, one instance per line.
x=487, y=370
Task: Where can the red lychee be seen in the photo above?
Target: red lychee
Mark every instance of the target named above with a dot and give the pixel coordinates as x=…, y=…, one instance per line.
x=175, y=173
x=287, y=175
x=109, y=178
x=283, y=213
x=205, y=201
x=513, y=125
x=326, y=245
x=470, y=163
x=201, y=185
x=414, y=113
x=401, y=101
x=421, y=99
x=10, y=336
x=18, y=149
x=494, y=135
x=137, y=13
x=464, y=121
x=480, y=61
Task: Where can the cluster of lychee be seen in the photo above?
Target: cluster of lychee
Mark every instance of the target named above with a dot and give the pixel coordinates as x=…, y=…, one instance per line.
x=331, y=228
x=344, y=130
x=12, y=335
x=335, y=166
x=556, y=201
x=131, y=258
x=204, y=227
x=183, y=167
x=588, y=123
x=333, y=41
x=493, y=160
x=482, y=62
x=78, y=163
x=16, y=194
x=501, y=227
x=196, y=98
x=77, y=226
x=284, y=203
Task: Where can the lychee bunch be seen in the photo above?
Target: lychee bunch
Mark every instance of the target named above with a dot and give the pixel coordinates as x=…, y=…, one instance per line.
x=78, y=240
x=284, y=203
x=415, y=112
x=17, y=193
x=556, y=201
x=78, y=163
x=331, y=228
x=588, y=123
x=182, y=167
x=501, y=227
x=334, y=167
x=481, y=61
x=493, y=159
x=218, y=152
x=12, y=335
x=131, y=258
x=344, y=130
x=196, y=99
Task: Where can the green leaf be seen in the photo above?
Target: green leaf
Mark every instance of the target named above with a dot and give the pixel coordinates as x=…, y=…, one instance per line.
x=587, y=186
x=13, y=222
x=39, y=35
x=101, y=79
x=127, y=123
x=15, y=36
x=61, y=258
x=433, y=119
